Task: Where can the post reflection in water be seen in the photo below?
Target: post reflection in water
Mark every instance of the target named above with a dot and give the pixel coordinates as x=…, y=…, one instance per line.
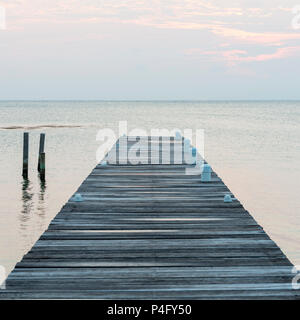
x=25, y=215
x=27, y=201
x=41, y=211
x=33, y=212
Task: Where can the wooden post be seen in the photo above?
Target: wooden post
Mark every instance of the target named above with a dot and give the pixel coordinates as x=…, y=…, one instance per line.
x=25, y=154
x=41, y=149
x=42, y=159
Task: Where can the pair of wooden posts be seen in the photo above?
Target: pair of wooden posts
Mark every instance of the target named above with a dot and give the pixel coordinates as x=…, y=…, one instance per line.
x=41, y=159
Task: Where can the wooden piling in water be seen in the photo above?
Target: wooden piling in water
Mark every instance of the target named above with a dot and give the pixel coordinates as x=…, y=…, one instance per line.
x=41, y=148
x=25, y=154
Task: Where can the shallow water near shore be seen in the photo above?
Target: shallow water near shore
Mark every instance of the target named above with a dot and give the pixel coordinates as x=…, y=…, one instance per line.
x=253, y=146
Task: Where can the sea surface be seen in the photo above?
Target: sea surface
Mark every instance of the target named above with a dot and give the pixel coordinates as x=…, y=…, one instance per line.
x=253, y=146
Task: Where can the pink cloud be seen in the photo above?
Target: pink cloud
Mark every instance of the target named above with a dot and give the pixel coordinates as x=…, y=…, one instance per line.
x=269, y=38
x=236, y=56
x=175, y=14
x=280, y=53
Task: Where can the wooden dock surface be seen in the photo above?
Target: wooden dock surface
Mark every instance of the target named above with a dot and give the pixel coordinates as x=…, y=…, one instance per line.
x=152, y=232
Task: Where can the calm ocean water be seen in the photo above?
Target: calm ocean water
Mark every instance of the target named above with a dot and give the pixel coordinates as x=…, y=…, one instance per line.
x=253, y=146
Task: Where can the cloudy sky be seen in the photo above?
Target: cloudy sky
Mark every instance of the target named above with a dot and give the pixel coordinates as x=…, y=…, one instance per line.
x=150, y=49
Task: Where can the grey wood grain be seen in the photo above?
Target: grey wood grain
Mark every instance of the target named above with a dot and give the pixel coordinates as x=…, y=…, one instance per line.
x=150, y=231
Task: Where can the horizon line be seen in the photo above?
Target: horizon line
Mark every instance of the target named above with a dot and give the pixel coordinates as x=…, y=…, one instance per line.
x=149, y=100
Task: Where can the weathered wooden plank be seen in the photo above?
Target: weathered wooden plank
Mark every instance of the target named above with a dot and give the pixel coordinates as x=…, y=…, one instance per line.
x=153, y=272
x=151, y=284
x=203, y=229
x=97, y=254
x=144, y=234
x=159, y=242
x=153, y=295
x=170, y=262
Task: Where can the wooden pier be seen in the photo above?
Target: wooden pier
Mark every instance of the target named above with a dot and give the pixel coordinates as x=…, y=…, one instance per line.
x=150, y=231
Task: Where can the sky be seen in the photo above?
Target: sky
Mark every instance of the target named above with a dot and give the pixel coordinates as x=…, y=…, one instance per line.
x=150, y=49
